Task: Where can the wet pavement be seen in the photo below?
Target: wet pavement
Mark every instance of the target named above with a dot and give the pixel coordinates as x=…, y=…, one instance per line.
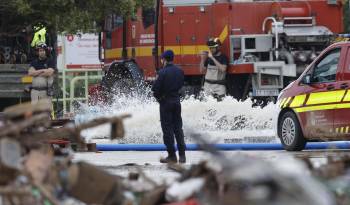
x=123, y=162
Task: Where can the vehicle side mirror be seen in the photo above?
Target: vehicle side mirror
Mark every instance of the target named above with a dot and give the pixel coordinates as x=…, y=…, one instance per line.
x=306, y=79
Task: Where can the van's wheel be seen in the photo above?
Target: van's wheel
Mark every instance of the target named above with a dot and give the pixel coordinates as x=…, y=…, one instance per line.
x=289, y=132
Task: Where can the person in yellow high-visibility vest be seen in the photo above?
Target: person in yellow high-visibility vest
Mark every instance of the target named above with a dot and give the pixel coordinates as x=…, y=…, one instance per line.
x=39, y=36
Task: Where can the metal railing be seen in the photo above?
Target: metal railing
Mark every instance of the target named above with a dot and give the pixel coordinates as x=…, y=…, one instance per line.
x=75, y=76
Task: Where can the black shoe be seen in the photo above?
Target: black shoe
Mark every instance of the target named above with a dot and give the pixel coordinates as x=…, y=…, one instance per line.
x=168, y=160
x=182, y=159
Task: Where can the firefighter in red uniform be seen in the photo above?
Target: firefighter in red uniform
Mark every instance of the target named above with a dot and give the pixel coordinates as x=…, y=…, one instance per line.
x=214, y=64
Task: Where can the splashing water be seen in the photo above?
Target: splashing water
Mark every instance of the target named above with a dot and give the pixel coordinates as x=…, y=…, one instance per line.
x=227, y=121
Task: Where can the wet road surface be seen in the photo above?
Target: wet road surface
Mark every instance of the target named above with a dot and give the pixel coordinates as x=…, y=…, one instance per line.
x=123, y=162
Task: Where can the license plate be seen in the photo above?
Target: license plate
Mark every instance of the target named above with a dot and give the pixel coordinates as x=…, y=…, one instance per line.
x=265, y=92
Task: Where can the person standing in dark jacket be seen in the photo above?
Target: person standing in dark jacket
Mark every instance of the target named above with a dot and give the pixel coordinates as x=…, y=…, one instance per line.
x=166, y=90
x=42, y=69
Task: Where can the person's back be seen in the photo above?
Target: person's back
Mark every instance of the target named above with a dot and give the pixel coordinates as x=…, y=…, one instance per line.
x=166, y=90
x=172, y=81
x=168, y=84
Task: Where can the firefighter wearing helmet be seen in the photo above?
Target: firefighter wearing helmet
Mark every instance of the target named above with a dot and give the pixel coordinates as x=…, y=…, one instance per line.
x=214, y=65
x=42, y=70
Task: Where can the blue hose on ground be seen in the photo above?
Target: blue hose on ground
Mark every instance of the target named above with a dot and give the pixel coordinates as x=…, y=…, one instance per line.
x=223, y=147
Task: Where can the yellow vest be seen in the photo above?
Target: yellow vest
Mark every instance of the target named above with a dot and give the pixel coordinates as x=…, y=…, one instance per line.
x=39, y=37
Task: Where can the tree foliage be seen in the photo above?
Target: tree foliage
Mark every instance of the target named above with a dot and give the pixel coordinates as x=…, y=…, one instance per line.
x=63, y=15
x=75, y=15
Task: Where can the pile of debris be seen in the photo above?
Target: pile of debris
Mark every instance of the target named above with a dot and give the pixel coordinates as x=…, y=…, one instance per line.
x=35, y=171
x=32, y=171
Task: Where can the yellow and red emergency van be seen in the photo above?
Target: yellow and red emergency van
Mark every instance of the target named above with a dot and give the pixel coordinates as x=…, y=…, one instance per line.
x=316, y=106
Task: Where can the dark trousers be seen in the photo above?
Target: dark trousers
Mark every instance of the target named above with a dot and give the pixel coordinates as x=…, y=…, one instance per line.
x=171, y=122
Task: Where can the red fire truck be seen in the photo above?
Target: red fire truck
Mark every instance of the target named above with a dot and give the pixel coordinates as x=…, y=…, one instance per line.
x=269, y=43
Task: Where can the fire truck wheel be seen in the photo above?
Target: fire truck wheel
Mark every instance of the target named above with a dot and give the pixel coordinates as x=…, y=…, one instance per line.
x=290, y=133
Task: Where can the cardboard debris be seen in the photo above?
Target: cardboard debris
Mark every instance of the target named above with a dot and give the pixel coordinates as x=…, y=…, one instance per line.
x=37, y=164
x=10, y=160
x=31, y=174
x=27, y=110
x=27, y=160
x=103, y=188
